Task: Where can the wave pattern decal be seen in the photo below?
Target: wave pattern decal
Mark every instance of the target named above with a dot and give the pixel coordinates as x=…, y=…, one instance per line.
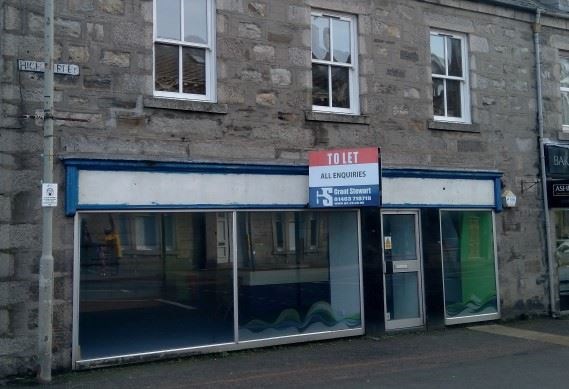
x=319, y=313
x=474, y=306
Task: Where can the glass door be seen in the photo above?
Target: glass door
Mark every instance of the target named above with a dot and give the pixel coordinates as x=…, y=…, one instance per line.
x=402, y=270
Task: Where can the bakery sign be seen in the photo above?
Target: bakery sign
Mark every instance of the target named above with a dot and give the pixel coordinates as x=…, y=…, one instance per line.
x=344, y=178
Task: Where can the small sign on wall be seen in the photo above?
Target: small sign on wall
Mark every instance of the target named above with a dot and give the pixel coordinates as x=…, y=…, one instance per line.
x=49, y=195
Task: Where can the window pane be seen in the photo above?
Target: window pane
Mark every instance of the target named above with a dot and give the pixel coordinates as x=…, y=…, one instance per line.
x=299, y=292
x=341, y=41
x=166, y=68
x=565, y=107
x=438, y=97
x=454, y=102
x=468, y=263
x=454, y=59
x=320, y=38
x=564, y=78
x=135, y=301
x=340, y=87
x=401, y=230
x=401, y=291
x=320, y=85
x=438, y=55
x=195, y=21
x=194, y=70
x=562, y=256
x=168, y=19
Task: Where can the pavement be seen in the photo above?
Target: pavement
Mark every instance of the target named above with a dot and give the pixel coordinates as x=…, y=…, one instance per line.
x=518, y=354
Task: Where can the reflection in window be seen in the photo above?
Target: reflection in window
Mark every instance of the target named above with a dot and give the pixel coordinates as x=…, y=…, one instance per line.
x=288, y=228
x=564, y=86
x=154, y=281
x=298, y=289
x=468, y=263
x=334, y=77
x=562, y=256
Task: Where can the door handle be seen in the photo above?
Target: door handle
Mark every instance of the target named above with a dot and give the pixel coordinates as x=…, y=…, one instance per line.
x=402, y=266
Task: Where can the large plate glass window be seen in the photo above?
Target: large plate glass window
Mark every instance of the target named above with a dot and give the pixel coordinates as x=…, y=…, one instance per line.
x=184, y=49
x=154, y=281
x=449, y=70
x=562, y=256
x=564, y=85
x=302, y=278
x=469, y=265
x=334, y=63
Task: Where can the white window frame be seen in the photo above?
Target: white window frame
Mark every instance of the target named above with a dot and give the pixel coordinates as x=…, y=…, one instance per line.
x=562, y=89
x=210, y=60
x=464, y=80
x=354, y=108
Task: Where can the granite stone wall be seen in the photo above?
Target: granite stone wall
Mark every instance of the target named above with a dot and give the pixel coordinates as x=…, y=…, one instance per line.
x=263, y=115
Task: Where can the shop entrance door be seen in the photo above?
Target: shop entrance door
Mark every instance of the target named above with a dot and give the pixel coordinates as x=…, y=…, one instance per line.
x=402, y=270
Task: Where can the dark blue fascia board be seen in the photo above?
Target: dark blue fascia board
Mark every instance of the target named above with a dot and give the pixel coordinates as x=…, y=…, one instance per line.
x=73, y=165
x=71, y=190
x=183, y=167
x=127, y=207
x=229, y=168
x=438, y=206
x=447, y=174
x=498, y=195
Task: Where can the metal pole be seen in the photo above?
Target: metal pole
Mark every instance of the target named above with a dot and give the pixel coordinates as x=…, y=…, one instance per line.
x=45, y=303
x=548, y=243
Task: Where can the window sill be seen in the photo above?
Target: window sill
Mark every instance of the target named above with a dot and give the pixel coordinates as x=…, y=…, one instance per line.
x=563, y=135
x=184, y=105
x=313, y=116
x=456, y=127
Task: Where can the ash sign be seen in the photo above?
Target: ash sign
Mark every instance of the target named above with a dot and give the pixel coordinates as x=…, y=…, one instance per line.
x=344, y=178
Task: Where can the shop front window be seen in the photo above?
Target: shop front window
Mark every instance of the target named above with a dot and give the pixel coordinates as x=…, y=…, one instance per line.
x=469, y=263
x=562, y=256
x=156, y=282
x=297, y=290
x=153, y=281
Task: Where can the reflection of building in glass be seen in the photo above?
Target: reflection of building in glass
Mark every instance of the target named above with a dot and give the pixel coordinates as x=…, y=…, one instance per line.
x=176, y=271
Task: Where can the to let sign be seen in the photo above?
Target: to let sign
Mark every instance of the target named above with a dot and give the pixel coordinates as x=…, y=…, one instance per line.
x=344, y=178
x=39, y=67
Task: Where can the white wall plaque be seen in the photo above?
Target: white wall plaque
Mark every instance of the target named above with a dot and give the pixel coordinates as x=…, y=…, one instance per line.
x=49, y=195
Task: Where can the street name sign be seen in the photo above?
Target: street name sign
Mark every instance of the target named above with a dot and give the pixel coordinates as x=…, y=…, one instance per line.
x=39, y=67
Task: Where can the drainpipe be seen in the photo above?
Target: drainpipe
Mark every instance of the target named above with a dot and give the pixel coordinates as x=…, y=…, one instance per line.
x=548, y=244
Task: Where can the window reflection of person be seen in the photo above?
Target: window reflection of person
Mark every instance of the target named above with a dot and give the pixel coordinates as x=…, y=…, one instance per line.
x=112, y=243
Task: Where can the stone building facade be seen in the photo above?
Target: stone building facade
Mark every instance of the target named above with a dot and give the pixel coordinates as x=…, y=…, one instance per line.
x=261, y=113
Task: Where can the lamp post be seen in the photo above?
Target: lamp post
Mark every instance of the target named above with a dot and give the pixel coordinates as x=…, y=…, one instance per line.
x=45, y=301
